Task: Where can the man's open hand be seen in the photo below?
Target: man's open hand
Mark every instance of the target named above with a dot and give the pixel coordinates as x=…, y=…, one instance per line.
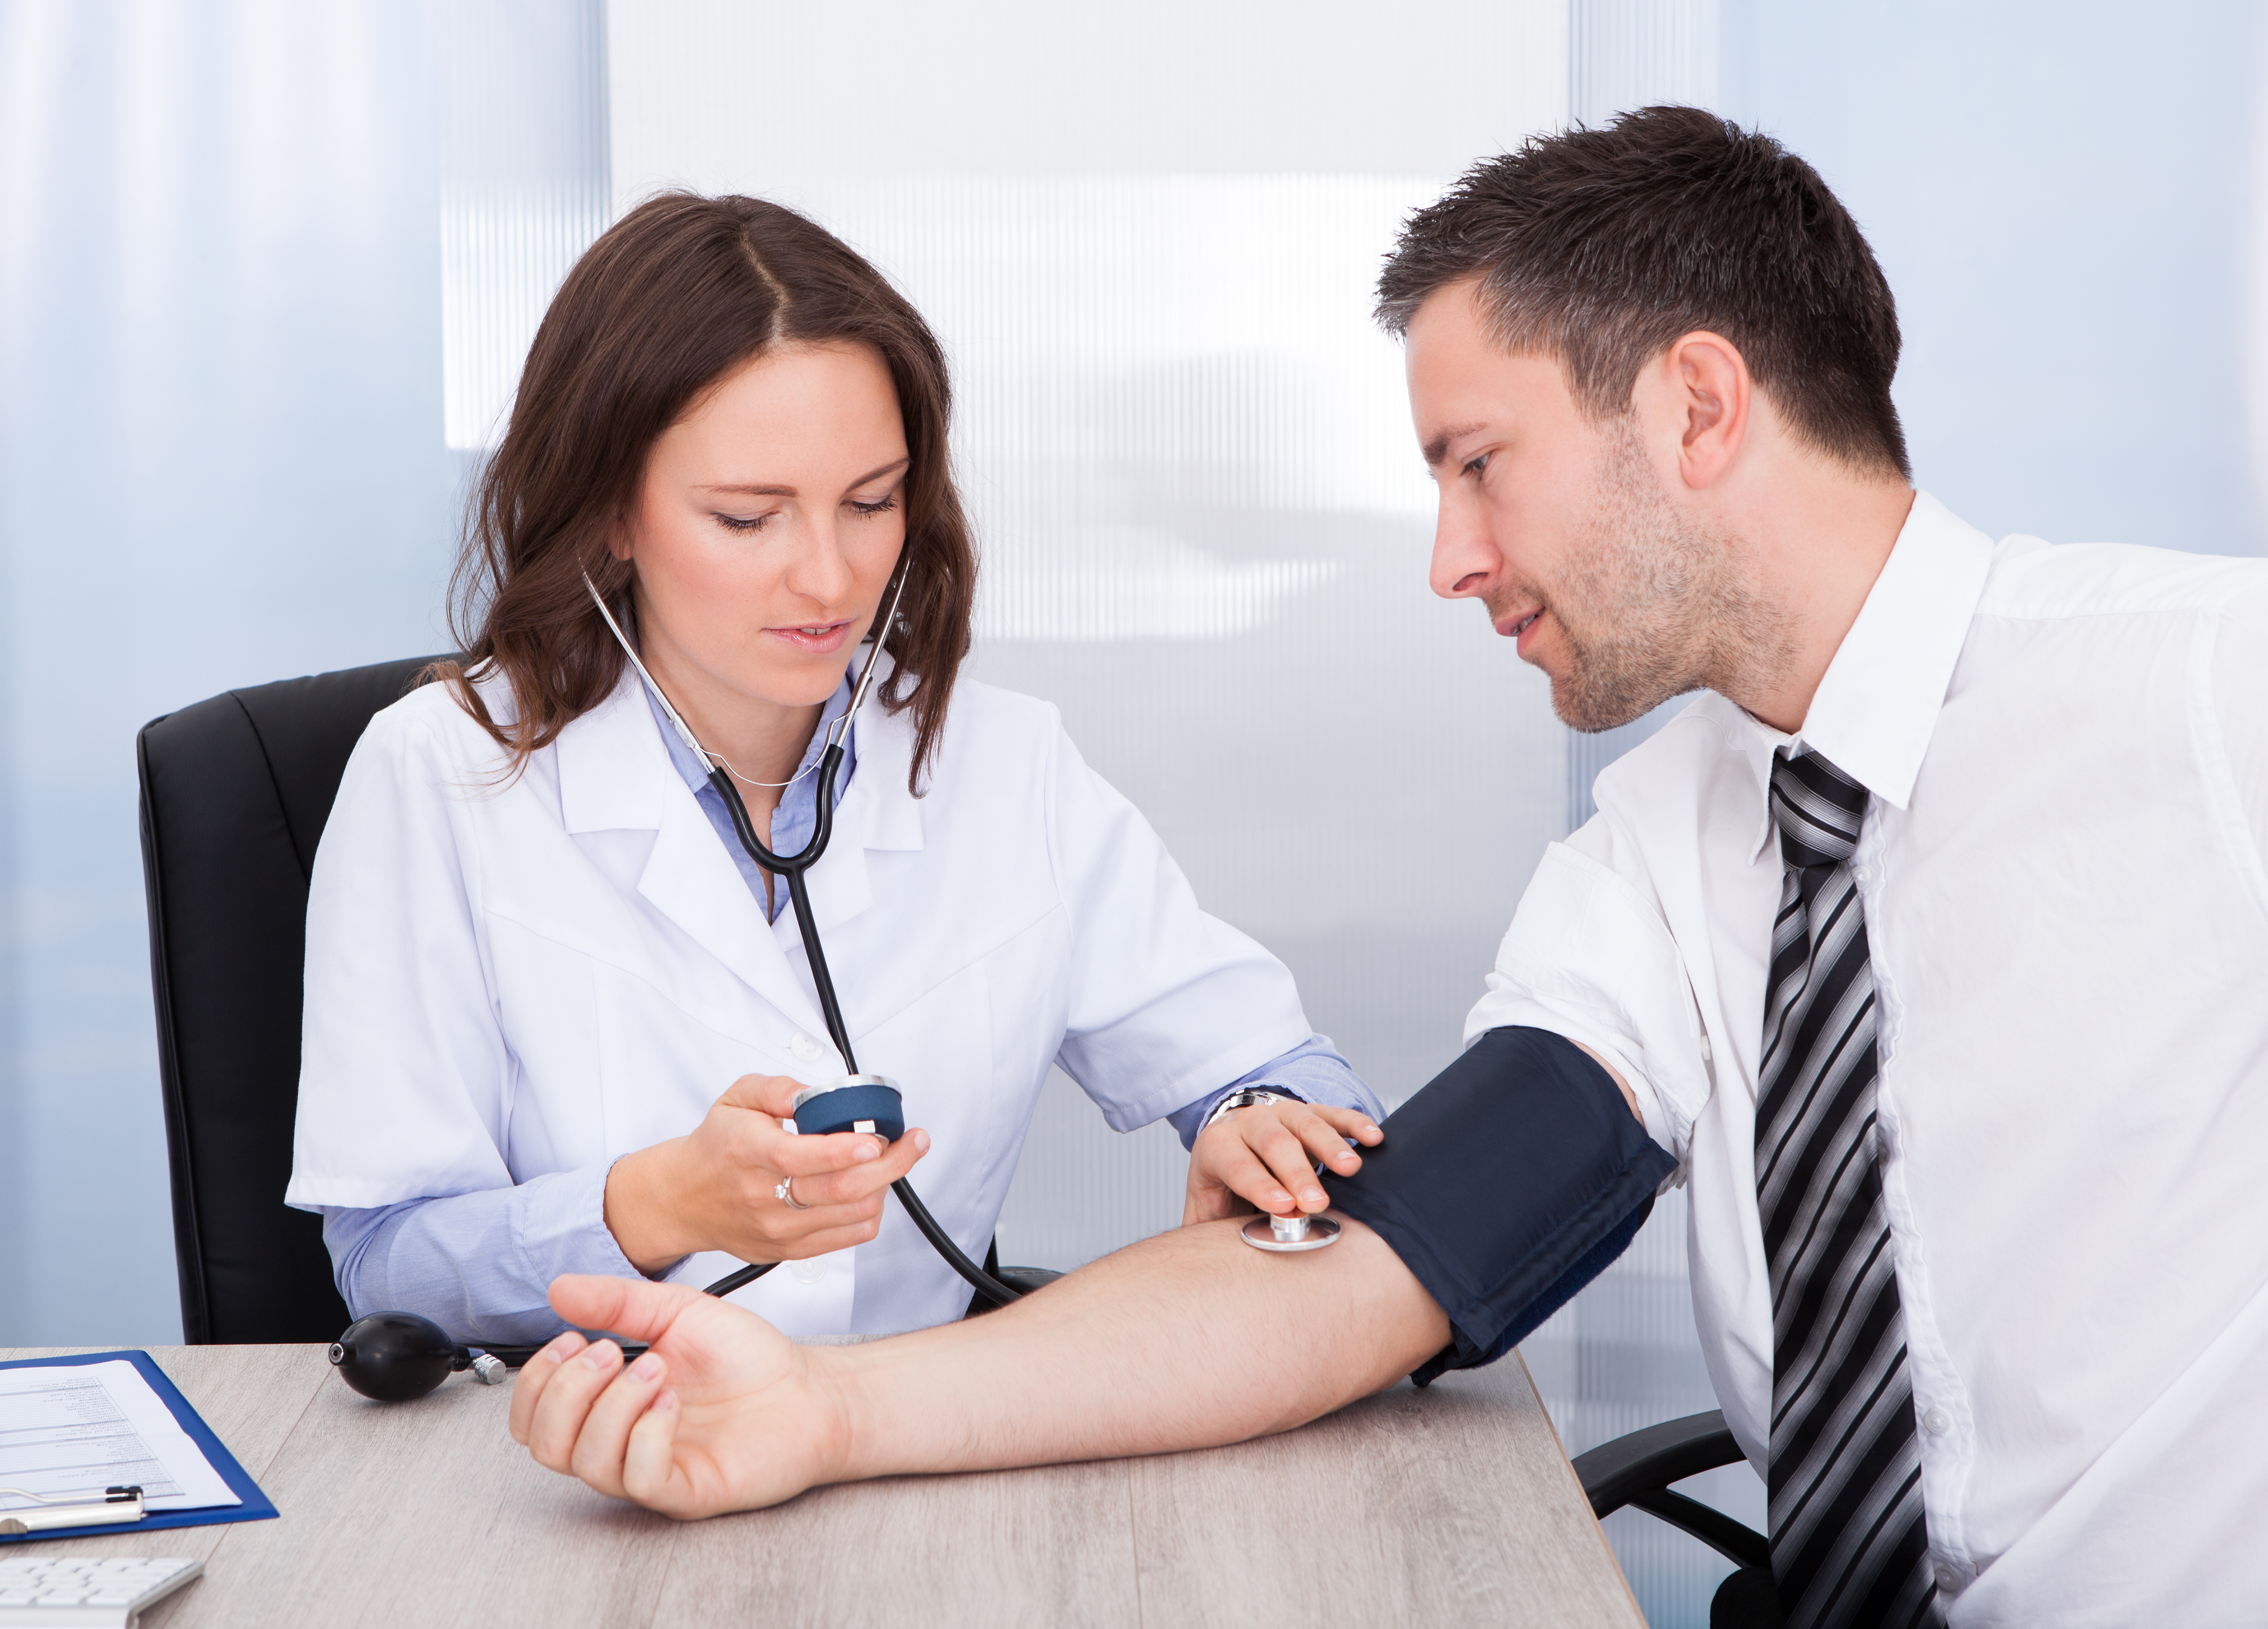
x=721, y=1413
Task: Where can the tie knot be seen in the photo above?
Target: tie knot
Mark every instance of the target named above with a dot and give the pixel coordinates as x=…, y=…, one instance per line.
x=1817, y=808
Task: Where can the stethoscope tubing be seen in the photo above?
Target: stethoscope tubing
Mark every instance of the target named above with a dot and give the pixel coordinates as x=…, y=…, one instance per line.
x=792, y=867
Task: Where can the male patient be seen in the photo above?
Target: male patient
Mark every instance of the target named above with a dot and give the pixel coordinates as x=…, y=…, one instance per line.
x=1930, y=945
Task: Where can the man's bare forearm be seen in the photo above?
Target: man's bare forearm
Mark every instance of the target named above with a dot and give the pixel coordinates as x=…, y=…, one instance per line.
x=1185, y=1340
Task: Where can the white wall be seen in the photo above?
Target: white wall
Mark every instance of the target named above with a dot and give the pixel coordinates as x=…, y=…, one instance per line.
x=220, y=463
x=1187, y=451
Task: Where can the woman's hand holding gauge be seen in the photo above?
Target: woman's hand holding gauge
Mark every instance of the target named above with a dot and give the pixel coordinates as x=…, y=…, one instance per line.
x=1263, y=1157
x=718, y=1188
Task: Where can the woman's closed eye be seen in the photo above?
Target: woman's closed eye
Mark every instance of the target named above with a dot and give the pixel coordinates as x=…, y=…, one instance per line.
x=745, y=523
x=880, y=506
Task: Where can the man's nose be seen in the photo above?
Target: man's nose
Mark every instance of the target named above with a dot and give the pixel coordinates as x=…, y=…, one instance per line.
x=1465, y=557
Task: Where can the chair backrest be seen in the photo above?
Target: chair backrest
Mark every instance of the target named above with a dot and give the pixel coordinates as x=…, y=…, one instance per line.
x=235, y=792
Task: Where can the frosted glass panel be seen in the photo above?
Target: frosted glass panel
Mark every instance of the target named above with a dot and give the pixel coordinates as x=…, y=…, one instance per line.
x=523, y=187
x=1205, y=532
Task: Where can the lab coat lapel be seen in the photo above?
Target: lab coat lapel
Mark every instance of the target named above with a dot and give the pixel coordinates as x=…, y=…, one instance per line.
x=877, y=813
x=615, y=773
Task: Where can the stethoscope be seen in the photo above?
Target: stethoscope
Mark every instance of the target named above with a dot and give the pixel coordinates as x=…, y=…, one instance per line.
x=393, y=1356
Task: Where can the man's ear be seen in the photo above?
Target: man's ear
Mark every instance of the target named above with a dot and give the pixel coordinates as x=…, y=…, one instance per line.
x=1702, y=385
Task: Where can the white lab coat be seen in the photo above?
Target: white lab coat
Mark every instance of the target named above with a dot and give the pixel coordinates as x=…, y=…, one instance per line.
x=513, y=977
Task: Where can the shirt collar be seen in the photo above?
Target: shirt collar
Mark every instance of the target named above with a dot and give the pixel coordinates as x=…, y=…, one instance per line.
x=1877, y=704
x=695, y=773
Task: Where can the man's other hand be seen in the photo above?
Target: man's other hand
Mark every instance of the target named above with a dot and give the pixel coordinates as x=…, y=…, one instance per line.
x=721, y=1413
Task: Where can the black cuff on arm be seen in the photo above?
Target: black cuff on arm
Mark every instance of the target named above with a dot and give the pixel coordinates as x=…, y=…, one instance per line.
x=1507, y=1183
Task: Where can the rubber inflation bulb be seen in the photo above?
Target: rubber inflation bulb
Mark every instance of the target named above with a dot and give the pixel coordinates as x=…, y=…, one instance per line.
x=394, y=1356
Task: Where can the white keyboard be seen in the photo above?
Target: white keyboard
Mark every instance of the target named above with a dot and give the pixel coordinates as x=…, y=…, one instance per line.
x=89, y=1592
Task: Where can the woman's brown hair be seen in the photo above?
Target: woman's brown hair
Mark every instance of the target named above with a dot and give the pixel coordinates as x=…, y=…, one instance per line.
x=675, y=295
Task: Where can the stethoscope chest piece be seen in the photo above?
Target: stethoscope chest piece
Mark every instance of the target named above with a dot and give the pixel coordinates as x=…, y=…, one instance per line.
x=1289, y=1232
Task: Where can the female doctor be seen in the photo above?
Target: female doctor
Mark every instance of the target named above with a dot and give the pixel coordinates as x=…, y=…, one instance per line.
x=555, y=1015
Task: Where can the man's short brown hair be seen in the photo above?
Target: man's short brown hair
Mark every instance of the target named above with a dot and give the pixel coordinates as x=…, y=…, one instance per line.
x=1601, y=248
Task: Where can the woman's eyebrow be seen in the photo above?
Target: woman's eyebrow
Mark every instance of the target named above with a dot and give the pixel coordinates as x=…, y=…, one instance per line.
x=751, y=490
x=891, y=468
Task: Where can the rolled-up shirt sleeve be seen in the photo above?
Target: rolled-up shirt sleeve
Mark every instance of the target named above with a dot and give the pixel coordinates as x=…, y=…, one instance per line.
x=479, y=1264
x=1313, y=1071
x=1589, y=957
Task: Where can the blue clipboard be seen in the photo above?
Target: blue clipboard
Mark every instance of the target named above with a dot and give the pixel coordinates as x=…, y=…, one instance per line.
x=255, y=1507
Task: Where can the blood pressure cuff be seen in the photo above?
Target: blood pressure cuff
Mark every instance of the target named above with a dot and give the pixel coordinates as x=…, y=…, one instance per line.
x=1505, y=1185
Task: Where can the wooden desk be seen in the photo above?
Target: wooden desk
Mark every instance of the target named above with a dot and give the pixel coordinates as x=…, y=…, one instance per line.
x=1451, y=1506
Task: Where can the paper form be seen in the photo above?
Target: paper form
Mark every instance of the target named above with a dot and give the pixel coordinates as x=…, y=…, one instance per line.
x=74, y=1431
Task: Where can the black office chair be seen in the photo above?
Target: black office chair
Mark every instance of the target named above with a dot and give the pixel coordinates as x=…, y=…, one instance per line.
x=1638, y=1470
x=235, y=793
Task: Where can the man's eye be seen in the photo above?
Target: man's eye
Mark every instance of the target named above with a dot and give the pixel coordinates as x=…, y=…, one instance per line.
x=1478, y=465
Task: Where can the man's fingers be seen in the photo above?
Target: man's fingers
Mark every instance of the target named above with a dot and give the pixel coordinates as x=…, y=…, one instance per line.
x=528, y=1385
x=566, y=1401
x=649, y=1472
x=636, y=1307
x=600, y=1445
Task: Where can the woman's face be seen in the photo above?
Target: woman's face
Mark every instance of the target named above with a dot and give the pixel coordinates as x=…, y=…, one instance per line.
x=767, y=526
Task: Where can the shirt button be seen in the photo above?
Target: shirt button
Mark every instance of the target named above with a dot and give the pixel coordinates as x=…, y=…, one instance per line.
x=1859, y=874
x=1947, y=1579
x=1937, y=1422
x=803, y=1047
x=808, y=1272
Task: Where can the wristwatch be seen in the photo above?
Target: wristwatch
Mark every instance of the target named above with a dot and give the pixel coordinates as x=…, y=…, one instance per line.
x=1247, y=1098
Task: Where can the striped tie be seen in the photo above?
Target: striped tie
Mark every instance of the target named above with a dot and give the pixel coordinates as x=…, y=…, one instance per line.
x=1849, y=1545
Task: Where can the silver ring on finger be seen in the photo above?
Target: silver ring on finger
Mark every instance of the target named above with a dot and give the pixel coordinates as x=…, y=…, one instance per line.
x=785, y=1193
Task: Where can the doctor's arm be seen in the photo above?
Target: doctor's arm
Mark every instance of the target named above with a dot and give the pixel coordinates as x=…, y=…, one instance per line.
x=1501, y=1190
x=1265, y=1155
x=477, y=1264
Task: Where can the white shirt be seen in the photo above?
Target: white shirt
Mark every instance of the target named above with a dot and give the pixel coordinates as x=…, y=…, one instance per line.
x=514, y=977
x=2066, y=751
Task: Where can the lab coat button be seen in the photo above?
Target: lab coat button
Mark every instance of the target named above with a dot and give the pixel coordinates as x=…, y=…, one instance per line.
x=1937, y=1422
x=1949, y=1580
x=803, y=1047
x=809, y=1272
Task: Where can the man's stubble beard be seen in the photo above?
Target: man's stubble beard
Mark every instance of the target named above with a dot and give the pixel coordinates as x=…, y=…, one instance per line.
x=1653, y=605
